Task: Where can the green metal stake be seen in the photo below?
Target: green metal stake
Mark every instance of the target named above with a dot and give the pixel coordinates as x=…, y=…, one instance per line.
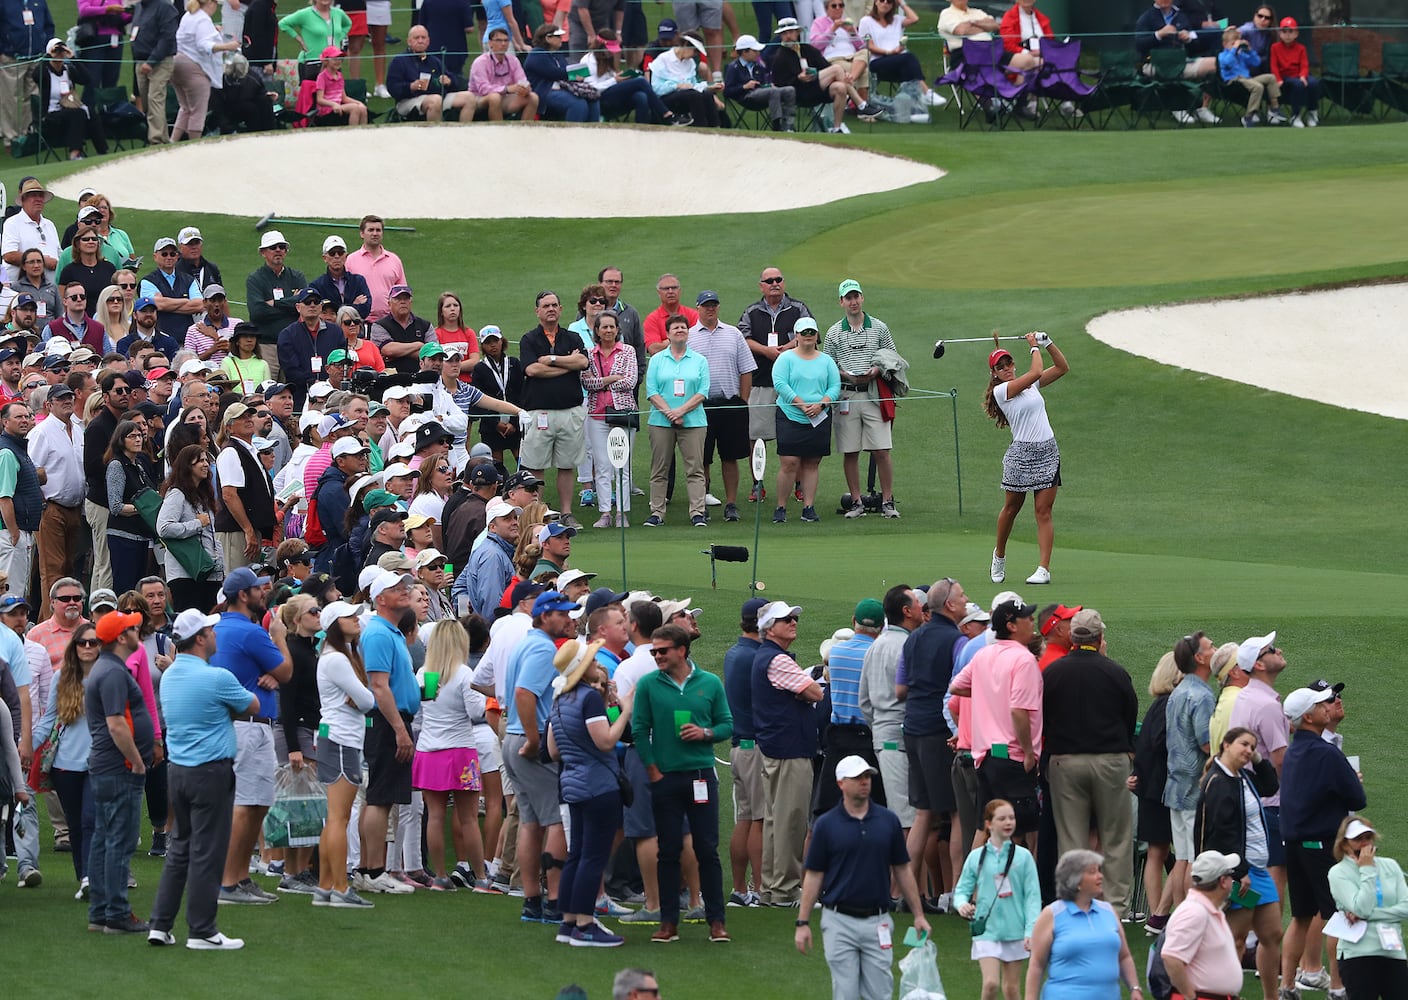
x=957, y=467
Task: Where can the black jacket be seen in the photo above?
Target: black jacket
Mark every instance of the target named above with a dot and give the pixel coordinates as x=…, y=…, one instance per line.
x=1221, y=822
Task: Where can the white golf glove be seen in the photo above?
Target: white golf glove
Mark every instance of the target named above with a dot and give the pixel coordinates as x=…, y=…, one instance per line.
x=1043, y=339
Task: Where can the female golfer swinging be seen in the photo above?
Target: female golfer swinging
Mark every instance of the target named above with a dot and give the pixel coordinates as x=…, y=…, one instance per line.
x=1033, y=462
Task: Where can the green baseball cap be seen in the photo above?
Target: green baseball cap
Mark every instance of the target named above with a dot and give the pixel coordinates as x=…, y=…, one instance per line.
x=378, y=498
x=848, y=286
x=870, y=613
x=432, y=351
x=338, y=357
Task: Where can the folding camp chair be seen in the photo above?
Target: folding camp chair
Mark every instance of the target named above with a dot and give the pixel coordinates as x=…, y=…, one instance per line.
x=986, y=91
x=1117, y=89
x=41, y=133
x=742, y=116
x=122, y=122
x=1166, y=91
x=1344, y=86
x=1393, y=84
x=1062, y=81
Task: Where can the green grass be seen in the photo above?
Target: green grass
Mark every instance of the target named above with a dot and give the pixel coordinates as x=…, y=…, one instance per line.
x=1191, y=502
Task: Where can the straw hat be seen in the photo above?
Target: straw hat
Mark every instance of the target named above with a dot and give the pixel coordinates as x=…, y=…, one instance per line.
x=572, y=660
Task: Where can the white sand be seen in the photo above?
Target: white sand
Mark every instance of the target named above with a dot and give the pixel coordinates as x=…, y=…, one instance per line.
x=1338, y=347
x=417, y=171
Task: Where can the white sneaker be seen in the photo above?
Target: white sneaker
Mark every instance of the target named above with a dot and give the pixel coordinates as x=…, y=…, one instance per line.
x=388, y=883
x=381, y=92
x=1317, y=980
x=935, y=100
x=1042, y=575
x=1312, y=119
x=1206, y=116
x=920, y=117
x=216, y=942
x=712, y=501
x=842, y=129
x=1185, y=117
x=160, y=939
x=999, y=567
x=360, y=882
x=1297, y=122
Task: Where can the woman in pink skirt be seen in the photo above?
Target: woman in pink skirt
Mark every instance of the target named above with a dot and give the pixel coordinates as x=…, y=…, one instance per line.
x=446, y=761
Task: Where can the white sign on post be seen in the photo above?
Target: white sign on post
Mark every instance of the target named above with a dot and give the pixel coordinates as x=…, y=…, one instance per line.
x=618, y=447
x=760, y=459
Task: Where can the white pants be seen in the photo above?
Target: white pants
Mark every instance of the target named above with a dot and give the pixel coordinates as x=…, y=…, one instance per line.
x=16, y=558
x=404, y=854
x=604, y=471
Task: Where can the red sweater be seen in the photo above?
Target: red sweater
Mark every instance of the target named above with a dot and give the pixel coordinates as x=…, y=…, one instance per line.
x=1289, y=61
x=1010, y=28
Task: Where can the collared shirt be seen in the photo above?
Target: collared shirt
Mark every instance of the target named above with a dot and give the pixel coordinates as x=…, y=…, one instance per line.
x=245, y=650
x=676, y=381
x=531, y=669
x=198, y=702
x=384, y=652
x=1258, y=708
x=20, y=233
x=1197, y=935
x=1222, y=715
x=856, y=855
x=878, y=703
x=845, y=663
x=382, y=271
x=1189, y=717
x=728, y=356
x=54, y=637
x=1004, y=678
x=199, y=342
x=58, y=450
x=854, y=350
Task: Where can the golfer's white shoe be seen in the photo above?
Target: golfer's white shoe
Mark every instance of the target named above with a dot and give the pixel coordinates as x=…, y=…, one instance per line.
x=999, y=567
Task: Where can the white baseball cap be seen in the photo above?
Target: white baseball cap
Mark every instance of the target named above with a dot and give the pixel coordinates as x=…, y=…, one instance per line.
x=334, y=242
x=853, y=766
x=189, y=623
x=349, y=446
x=386, y=580
x=775, y=611
x=271, y=238
x=336, y=610
x=497, y=508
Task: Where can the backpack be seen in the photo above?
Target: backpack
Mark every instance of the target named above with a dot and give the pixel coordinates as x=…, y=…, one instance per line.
x=313, y=532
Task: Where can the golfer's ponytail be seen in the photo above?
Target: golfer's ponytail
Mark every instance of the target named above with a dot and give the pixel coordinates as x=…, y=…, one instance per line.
x=990, y=405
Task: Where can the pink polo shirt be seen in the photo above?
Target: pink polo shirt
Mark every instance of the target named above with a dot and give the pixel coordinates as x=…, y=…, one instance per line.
x=54, y=638
x=381, y=272
x=1197, y=935
x=1258, y=708
x=1003, y=677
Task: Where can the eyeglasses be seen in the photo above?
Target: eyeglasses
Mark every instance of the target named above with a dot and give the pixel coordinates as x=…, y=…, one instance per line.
x=89, y=643
x=1263, y=17
x=69, y=598
x=136, y=434
x=125, y=284
x=596, y=300
x=659, y=651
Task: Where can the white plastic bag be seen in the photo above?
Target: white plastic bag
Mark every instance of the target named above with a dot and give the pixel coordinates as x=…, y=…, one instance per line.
x=300, y=808
x=919, y=974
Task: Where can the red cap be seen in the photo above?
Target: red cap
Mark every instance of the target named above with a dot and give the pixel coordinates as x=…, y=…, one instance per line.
x=1289, y=22
x=1061, y=614
x=997, y=356
x=159, y=373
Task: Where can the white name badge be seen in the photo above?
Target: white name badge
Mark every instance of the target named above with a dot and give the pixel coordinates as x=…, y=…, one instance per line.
x=843, y=407
x=542, y=421
x=114, y=41
x=886, y=941
x=772, y=339
x=679, y=387
x=317, y=364
x=425, y=78
x=1390, y=936
x=41, y=309
x=28, y=18
x=278, y=294
x=248, y=387
x=701, y=792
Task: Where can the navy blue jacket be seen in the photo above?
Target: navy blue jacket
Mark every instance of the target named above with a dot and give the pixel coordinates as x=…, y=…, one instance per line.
x=163, y=342
x=331, y=494
x=1151, y=21
x=738, y=73
x=28, y=497
x=155, y=23
x=1318, y=789
x=296, y=350
x=406, y=69
x=353, y=285
x=18, y=39
x=928, y=661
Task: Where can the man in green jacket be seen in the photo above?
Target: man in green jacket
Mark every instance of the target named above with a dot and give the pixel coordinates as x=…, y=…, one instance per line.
x=272, y=293
x=680, y=713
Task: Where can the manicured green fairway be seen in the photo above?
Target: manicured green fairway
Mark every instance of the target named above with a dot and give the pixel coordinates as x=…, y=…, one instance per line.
x=1190, y=502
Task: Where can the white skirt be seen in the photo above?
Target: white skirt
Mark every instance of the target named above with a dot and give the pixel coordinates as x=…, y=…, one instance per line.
x=1006, y=951
x=379, y=12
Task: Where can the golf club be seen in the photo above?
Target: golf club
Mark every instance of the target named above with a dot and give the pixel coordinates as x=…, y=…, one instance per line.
x=266, y=220
x=995, y=339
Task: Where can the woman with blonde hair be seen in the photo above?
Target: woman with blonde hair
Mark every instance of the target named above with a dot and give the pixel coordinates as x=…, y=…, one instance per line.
x=64, y=722
x=446, y=760
x=345, y=701
x=1155, y=825
x=113, y=311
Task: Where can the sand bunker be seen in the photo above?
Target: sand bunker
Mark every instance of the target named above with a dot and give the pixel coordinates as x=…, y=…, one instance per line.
x=1331, y=347
x=453, y=172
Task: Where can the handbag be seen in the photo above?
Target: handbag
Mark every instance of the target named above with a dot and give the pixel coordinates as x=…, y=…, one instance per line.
x=980, y=924
x=583, y=90
x=70, y=100
x=43, y=761
x=85, y=34
x=628, y=419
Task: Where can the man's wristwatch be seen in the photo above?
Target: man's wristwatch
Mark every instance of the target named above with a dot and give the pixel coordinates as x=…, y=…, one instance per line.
x=804, y=923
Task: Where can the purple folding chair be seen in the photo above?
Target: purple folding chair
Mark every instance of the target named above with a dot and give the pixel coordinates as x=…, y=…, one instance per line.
x=991, y=84
x=1060, y=80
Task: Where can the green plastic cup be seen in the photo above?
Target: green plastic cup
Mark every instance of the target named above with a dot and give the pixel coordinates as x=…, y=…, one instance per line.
x=613, y=712
x=432, y=685
x=682, y=719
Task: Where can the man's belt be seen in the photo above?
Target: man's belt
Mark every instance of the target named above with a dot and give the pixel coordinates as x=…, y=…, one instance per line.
x=859, y=912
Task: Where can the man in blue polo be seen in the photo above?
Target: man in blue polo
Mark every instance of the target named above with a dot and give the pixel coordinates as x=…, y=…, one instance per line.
x=528, y=683
x=198, y=703
x=848, y=732
x=260, y=661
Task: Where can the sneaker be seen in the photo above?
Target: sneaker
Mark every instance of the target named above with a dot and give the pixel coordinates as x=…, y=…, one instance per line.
x=779, y=516
x=30, y=878
x=919, y=118
x=699, y=521
x=1312, y=119
x=63, y=847
x=1298, y=122
x=838, y=130
x=1206, y=116
x=759, y=492
x=391, y=885
x=274, y=869
x=532, y=912
x=594, y=936
x=738, y=899
x=608, y=907
x=693, y=915
x=868, y=112
x=1288, y=993
x=666, y=934
x=82, y=892
x=622, y=521
x=552, y=913
x=420, y=877
x=718, y=933
x=463, y=877
x=754, y=899
x=486, y=888
x=568, y=521
x=887, y=509
x=381, y=90
x=130, y=924
x=636, y=491
x=249, y=886
x=810, y=515
x=158, y=849
x=291, y=883
x=565, y=932
x=1042, y=575
x=94, y=927
x=712, y=501
x=999, y=567
x=441, y=884
x=322, y=897
x=360, y=881
x=1250, y=121
x=934, y=99
x=1276, y=117
x=587, y=498
x=654, y=521
x=681, y=121
x=1317, y=980
x=731, y=512
x=1184, y=117
x=1337, y=995
x=856, y=510
x=160, y=939
x=605, y=521
x=241, y=896
x=349, y=900
x=642, y=916
x=1155, y=924
x=216, y=942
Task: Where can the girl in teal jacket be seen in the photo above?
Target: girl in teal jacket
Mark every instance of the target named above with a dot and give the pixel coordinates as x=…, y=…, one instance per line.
x=998, y=891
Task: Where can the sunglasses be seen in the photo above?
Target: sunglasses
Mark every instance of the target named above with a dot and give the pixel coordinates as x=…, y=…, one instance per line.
x=278, y=246
x=89, y=239
x=351, y=322
x=772, y=281
x=337, y=253
x=119, y=390
x=790, y=619
x=262, y=414
x=659, y=651
x=87, y=642
x=69, y=598
x=76, y=298
x=168, y=253
x=596, y=300
x=125, y=284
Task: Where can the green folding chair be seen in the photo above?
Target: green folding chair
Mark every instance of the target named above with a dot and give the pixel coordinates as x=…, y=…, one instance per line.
x=1344, y=85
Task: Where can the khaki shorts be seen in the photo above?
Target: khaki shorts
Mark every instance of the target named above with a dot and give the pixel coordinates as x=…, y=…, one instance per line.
x=863, y=428
x=862, y=81
x=562, y=446
x=457, y=99
x=762, y=404
x=749, y=793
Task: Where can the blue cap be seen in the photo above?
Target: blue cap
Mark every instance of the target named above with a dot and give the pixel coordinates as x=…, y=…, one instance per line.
x=242, y=579
x=708, y=295
x=752, y=606
x=668, y=27
x=553, y=529
x=553, y=600
x=603, y=596
x=145, y=302
x=52, y=363
x=522, y=590
x=24, y=299
x=7, y=354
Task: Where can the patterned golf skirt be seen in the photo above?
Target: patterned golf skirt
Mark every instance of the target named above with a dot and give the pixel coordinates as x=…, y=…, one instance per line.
x=1030, y=466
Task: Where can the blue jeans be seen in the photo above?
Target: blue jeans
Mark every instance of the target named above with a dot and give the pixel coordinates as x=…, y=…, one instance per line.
x=76, y=796
x=568, y=107
x=672, y=800
x=1301, y=95
x=635, y=94
x=129, y=562
x=594, y=826
x=765, y=11
x=117, y=805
